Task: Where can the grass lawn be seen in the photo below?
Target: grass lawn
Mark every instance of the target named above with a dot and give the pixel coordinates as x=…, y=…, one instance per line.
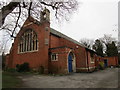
x=0, y=79
x=10, y=80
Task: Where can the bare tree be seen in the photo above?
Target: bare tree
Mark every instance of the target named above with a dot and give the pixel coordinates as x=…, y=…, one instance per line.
x=61, y=8
x=87, y=42
x=107, y=38
x=14, y=13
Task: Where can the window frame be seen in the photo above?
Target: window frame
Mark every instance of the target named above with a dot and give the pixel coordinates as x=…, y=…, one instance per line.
x=27, y=45
x=54, y=57
x=92, y=58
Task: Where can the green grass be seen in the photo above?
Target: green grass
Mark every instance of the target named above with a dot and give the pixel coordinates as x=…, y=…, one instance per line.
x=0, y=79
x=10, y=80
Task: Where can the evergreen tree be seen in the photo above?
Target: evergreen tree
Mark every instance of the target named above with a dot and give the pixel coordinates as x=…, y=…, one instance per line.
x=98, y=47
x=111, y=49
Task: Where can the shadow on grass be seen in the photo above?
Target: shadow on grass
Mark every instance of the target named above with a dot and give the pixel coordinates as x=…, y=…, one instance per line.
x=10, y=80
x=0, y=79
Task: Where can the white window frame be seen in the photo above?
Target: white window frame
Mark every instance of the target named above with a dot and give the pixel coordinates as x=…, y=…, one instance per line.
x=21, y=49
x=54, y=59
x=92, y=61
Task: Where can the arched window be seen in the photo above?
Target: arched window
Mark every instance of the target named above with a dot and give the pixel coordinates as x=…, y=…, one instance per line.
x=28, y=41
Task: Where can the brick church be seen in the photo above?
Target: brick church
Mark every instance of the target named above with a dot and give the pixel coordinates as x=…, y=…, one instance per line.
x=40, y=45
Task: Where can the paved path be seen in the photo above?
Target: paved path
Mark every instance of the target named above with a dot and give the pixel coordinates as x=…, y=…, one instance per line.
x=107, y=78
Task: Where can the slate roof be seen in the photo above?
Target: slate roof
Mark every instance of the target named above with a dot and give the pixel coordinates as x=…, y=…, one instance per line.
x=59, y=34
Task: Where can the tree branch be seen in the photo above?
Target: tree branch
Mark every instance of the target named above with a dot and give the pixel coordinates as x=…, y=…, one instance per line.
x=29, y=9
x=16, y=22
x=7, y=10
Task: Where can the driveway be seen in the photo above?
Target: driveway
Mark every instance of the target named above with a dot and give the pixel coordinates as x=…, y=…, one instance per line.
x=107, y=78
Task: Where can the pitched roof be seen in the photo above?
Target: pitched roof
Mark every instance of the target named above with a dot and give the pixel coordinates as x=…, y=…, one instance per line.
x=57, y=33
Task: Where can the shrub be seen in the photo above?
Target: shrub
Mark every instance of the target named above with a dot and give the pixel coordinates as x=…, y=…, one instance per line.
x=41, y=70
x=3, y=66
x=23, y=67
x=101, y=65
x=118, y=66
x=11, y=70
x=17, y=67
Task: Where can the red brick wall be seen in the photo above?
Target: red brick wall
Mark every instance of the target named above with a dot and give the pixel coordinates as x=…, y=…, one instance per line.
x=91, y=65
x=98, y=59
x=54, y=41
x=80, y=52
x=59, y=66
x=41, y=57
x=112, y=61
x=9, y=58
x=37, y=58
x=81, y=59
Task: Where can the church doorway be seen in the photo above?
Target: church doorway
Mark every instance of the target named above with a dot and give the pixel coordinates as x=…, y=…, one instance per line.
x=71, y=62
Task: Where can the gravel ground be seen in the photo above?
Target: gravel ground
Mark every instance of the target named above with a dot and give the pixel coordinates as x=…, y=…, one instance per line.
x=107, y=78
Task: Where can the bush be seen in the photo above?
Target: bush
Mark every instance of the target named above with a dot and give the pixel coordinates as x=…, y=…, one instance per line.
x=118, y=66
x=17, y=67
x=3, y=66
x=101, y=65
x=23, y=67
x=3, y=62
x=41, y=70
x=11, y=70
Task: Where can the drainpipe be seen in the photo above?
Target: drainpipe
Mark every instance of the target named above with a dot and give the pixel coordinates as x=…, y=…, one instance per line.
x=87, y=61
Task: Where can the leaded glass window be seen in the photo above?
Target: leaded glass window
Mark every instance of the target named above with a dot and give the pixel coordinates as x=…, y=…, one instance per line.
x=28, y=41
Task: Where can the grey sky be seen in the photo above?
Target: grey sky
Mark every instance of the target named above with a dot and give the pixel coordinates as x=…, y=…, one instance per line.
x=93, y=19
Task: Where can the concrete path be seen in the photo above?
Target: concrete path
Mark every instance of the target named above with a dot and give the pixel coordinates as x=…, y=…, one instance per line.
x=107, y=78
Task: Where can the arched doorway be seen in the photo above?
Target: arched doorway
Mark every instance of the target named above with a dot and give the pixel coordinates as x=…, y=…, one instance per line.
x=71, y=62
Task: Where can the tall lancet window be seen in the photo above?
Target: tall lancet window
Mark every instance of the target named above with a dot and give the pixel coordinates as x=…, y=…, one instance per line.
x=28, y=41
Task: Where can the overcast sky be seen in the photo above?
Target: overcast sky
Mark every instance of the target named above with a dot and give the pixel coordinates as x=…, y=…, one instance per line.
x=93, y=19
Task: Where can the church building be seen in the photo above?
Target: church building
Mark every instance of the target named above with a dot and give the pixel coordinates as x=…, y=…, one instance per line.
x=40, y=45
